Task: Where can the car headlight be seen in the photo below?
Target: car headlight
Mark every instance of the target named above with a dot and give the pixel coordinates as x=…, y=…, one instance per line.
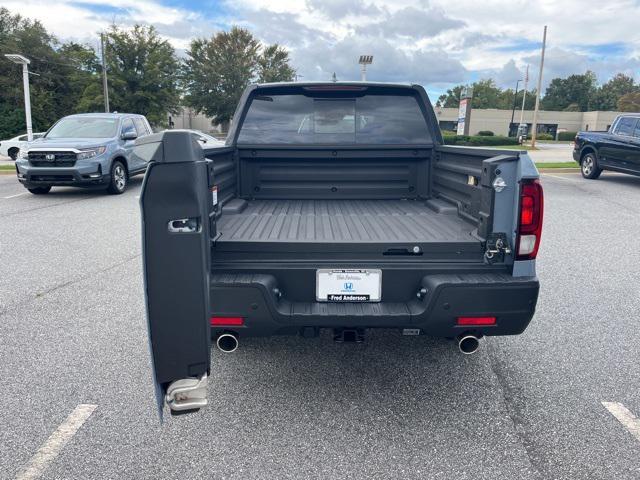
x=91, y=152
x=23, y=154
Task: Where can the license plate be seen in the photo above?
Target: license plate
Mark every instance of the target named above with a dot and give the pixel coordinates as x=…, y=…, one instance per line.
x=348, y=285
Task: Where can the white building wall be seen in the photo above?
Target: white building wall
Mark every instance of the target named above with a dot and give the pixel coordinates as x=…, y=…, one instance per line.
x=187, y=118
x=498, y=120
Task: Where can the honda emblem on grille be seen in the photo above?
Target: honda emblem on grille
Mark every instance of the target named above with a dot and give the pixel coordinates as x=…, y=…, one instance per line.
x=50, y=157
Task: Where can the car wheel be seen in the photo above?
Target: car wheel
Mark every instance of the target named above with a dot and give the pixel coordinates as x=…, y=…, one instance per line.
x=13, y=153
x=39, y=190
x=589, y=166
x=119, y=178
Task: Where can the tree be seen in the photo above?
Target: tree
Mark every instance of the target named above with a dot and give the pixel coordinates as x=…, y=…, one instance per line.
x=217, y=70
x=142, y=69
x=451, y=99
x=629, y=102
x=58, y=79
x=486, y=94
x=273, y=65
x=574, y=93
x=609, y=93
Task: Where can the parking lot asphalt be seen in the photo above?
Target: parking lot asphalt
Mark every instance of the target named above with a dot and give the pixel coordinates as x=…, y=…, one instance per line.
x=72, y=332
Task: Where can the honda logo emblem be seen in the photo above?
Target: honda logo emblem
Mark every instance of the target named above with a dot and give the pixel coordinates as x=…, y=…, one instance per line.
x=50, y=157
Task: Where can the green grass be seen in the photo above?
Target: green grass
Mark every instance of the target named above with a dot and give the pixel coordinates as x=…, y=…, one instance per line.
x=7, y=167
x=557, y=165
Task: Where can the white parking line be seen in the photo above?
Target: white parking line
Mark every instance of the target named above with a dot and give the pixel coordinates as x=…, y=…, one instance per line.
x=559, y=177
x=625, y=417
x=16, y=195
x=58, y=439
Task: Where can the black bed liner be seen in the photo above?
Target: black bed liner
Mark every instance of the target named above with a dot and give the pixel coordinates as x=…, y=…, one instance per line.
x=384, y=227
x=386, y=221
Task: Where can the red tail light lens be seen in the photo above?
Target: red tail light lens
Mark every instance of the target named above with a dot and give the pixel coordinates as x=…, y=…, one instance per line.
x=476, y=320
x=531, y=212
x=227, y=321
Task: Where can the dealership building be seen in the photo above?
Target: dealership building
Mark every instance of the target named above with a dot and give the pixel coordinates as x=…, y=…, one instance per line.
x=499, y=121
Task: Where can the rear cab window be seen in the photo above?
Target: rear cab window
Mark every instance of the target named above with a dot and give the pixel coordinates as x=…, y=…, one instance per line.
x=626, y=126
x=361, y=116
x=636, y=132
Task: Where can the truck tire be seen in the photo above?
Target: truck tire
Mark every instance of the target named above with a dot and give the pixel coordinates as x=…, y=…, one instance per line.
x=589, y=166
x=39, y=190
x=119, y=178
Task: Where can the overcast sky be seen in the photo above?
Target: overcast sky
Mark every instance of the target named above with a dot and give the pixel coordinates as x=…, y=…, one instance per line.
x=437, y=43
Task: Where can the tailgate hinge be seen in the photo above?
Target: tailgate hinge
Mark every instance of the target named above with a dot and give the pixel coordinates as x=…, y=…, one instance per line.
x=187, y=394
x=497, y=247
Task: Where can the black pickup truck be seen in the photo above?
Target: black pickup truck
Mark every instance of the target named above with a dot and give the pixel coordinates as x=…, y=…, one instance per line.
x=618, y=149
x=332, y=206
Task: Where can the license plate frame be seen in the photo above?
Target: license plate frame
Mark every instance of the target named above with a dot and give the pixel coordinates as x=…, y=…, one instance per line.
x=356, y=285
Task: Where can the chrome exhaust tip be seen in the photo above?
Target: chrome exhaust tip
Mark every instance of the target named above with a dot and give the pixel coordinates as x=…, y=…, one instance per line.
x=468, y=344
x=227, y=342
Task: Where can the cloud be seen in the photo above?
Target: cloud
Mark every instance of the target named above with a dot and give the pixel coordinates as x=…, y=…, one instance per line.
x=317, y=62
x=337, y=9
x=413, y=23
x=438, y=43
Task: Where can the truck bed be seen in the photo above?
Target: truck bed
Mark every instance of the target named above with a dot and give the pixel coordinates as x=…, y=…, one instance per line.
x=390, y=227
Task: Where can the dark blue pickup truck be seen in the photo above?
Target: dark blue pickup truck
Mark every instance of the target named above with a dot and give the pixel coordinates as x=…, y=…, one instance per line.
x=618, y=149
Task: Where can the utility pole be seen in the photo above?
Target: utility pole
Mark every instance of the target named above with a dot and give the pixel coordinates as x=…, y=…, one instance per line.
x=105, y=87
x=513, y=109
x=524, y=96
x=24, y=61
x=534, y=126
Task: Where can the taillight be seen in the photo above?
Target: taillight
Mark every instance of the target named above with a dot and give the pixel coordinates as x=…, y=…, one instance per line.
x=530, y=219
x=227, y=321
x=476, y=320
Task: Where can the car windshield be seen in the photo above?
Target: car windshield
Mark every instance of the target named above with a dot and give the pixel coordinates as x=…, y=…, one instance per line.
x=84, y=127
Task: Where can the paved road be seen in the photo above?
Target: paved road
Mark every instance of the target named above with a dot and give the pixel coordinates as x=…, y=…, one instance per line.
x=552, y=152
x=529, y=407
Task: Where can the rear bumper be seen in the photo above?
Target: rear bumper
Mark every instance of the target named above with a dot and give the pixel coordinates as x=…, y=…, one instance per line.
x=512, y=300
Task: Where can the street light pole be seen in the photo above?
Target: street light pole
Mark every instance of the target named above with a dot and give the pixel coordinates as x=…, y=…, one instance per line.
x=513, y=110
x=105, y=85
x=364, y=61
x=19, y=59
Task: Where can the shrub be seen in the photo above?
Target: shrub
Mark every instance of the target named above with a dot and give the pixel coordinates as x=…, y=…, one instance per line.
x=542, y=136
x=479, y=141
x=485, y=133
x=566, y=136
x=545, y=136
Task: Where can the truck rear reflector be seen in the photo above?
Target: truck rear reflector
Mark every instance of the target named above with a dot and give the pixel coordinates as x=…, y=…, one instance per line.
x=476, y=321
x=227, y=321
x=530, y=219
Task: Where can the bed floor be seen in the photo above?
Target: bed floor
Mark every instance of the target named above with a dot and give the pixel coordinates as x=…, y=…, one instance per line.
x=342, y=221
